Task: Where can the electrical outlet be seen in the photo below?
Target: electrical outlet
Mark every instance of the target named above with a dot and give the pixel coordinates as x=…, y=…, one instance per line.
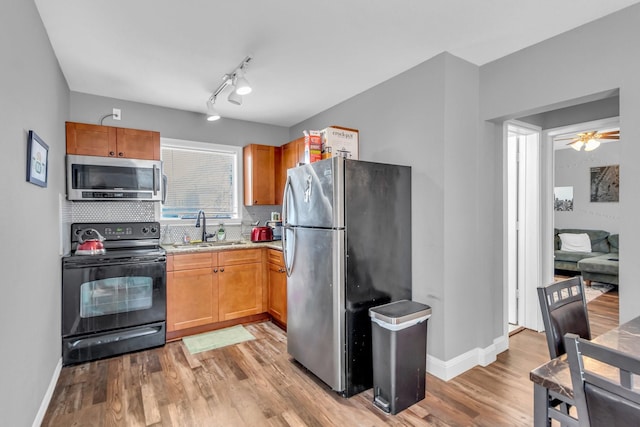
x=116, y=114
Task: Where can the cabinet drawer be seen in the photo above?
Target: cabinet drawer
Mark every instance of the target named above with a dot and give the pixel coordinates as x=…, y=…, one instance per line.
x=245, y=256
x=191, y=261
x=275, y=257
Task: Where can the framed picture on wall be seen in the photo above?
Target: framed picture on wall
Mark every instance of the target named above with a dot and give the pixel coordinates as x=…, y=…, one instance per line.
x=563, y=198
x=605, y=183
x=37, y=160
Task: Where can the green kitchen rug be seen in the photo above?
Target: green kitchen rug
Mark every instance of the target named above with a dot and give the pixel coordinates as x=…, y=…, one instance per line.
x=216, y=339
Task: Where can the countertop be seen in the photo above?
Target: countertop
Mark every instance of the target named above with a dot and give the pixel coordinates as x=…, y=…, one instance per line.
x=555, y=375
x=179, y=248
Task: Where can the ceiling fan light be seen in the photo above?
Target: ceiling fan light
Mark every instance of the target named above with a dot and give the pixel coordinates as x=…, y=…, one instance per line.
x=591, y=145
x=577, y=145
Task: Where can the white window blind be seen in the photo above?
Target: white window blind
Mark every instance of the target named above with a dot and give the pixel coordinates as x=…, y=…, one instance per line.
x=200, y=178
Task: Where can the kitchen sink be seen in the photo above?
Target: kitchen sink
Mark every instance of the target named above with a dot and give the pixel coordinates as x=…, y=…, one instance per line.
x=209, y=244
x=224, y=243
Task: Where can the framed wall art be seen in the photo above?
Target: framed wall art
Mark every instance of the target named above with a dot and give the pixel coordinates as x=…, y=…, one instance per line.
x=37, y=160
x=563, y=198
x=605, y=183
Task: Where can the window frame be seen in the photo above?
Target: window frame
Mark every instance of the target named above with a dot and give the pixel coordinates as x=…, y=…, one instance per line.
x=207, y=146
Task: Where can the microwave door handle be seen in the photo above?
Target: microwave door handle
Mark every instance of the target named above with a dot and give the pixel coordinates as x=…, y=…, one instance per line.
x=155, y=180
x=164, y=189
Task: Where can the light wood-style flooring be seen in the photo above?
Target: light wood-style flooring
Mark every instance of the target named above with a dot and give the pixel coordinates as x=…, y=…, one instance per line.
x=256, y=383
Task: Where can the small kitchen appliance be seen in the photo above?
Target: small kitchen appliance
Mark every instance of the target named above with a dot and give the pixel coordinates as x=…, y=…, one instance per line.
x=276, y=226
x=114, y=178
x=114, y=298
x=92, y=245
x=261, y=234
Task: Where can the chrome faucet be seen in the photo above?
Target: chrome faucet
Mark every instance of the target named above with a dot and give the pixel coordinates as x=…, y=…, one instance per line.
x=205, y=236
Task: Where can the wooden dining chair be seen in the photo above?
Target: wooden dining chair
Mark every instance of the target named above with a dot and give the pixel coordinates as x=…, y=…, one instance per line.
x=564, y=310
x=603, y=391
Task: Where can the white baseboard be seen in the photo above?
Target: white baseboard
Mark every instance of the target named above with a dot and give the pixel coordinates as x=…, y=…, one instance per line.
x=446, y=370
x=47, y=396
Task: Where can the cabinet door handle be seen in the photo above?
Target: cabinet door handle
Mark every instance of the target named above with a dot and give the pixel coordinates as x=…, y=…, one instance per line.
x=120, y=154
x=215, y=270
x=111, y=153
x=222, y=270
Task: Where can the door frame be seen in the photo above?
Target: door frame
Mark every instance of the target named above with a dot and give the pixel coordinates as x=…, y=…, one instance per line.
x=528, y=305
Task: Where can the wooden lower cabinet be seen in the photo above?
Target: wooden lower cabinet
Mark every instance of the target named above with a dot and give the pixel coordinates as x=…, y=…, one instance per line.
x=192, y=298
x=209, y=288
x=277, y=306
x=240, y=291
x=192, y=290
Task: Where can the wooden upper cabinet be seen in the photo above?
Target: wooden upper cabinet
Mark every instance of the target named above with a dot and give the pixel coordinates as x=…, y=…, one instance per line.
x=138, y=144
x=108, y=141
x=259, y=175
x=91, y=140
x=292, y=154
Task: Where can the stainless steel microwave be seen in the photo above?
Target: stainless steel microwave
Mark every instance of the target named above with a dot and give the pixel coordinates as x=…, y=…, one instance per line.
x=109, y=178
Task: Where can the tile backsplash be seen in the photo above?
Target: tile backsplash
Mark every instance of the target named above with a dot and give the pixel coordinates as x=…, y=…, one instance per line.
x=170, y=232
x=112, y=211
x=174, y=233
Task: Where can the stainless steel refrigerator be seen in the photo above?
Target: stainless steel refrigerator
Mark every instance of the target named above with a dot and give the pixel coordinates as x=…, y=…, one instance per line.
x=347, y=247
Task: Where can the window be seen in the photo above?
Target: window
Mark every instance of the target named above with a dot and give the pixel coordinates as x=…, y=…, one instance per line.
x=200, y=176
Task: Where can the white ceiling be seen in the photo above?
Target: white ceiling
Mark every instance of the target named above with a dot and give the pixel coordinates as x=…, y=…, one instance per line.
x=307, y=55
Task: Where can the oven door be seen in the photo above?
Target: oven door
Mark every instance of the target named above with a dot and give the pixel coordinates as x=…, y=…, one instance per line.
x=102, y=296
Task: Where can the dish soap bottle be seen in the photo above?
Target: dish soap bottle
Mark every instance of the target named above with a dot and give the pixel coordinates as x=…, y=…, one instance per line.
x=221, y=233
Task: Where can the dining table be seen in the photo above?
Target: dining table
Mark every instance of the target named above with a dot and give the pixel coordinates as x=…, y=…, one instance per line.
x=554, y=378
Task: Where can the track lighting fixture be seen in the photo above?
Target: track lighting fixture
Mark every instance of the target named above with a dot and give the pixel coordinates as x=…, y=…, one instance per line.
x=242, y=85
x=239, y=86
x=212, y=114
x=233, y=97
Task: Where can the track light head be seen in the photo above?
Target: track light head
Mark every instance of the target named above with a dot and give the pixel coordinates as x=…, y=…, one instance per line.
x=212, y=113
x=233, y=97
x=241, y=84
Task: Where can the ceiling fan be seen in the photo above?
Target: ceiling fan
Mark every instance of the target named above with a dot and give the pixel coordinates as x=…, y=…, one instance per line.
x=590, y=140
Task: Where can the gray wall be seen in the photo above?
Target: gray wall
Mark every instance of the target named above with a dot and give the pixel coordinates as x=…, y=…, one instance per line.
x=173, y=123
x=550, y=73
x=448, y=129
x=34, y=96
x=427, y=118
x=581, y=113
x=572, y=169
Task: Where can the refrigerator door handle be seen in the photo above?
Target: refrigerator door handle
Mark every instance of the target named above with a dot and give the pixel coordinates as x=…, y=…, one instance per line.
x=286, y=227
x=285, y=199
x=288, y=267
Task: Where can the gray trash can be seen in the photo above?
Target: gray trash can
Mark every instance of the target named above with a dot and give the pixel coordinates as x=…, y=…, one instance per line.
x=399, y=344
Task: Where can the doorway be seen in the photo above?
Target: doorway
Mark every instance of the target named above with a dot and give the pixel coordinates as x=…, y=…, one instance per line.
x=523, y=223
x=574, y=205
